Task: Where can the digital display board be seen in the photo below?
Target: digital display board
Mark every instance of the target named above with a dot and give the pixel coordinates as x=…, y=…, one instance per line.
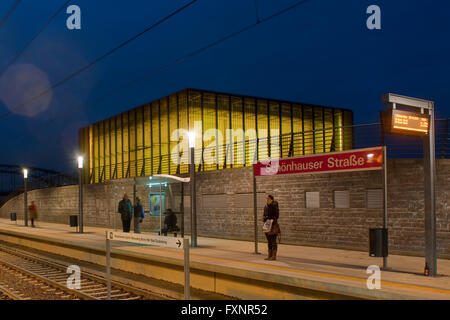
x=410, y=121
x=402, y=122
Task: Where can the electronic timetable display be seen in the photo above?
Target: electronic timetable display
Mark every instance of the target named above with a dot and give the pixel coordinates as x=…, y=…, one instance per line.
x=402, y=122
x=405, y=121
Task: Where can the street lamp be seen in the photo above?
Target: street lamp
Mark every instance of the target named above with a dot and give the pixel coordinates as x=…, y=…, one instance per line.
x=25, y=199
x=191, y=136
x=80, y=183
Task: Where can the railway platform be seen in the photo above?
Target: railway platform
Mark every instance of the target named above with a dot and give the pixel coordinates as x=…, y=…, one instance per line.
x=231, y=268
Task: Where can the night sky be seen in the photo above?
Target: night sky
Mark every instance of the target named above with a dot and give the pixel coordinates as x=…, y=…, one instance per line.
x=321, y=52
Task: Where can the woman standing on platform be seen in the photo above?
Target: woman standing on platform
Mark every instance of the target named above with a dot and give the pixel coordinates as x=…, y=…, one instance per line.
x=271, y=211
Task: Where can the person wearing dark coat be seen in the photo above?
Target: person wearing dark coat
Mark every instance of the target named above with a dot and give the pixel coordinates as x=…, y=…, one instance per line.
x=33, y=213
x=170, y=222
x=138, y=215
x=271, y=211
x=126, y=212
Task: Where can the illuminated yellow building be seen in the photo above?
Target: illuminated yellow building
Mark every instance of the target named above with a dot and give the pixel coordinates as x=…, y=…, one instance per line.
x=146, y=140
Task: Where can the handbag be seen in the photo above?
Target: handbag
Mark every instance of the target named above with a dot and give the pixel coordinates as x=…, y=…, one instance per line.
x=267, y=226
x=274, y=230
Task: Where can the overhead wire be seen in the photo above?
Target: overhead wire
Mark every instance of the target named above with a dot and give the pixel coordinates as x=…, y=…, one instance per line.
x=167, y=66
x=21, y=51
x=9, y=13
x=97, y=60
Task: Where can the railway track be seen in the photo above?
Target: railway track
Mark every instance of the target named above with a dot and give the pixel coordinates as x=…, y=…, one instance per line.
x=7, y=294
x=43, y=279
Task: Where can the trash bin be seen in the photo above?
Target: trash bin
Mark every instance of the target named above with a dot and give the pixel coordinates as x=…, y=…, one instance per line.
x=74, y=221
x=378, y=239
x=13, y=216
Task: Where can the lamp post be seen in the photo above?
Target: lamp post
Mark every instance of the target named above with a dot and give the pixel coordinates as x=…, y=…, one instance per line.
x=80, y=198
x=25, y=199
x=193, y=191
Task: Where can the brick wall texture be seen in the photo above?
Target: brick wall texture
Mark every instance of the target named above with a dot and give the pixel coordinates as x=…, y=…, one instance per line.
x=225, y=206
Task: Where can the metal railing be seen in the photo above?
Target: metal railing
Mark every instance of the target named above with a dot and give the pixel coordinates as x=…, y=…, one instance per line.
x=41, y=182
x=246, y=152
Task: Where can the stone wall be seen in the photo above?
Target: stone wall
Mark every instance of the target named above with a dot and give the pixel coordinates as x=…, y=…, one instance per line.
x=225, y=206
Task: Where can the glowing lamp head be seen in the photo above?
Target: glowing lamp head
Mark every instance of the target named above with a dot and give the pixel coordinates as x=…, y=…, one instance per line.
x=80, y=162
x=25, y=173
x=191, y=136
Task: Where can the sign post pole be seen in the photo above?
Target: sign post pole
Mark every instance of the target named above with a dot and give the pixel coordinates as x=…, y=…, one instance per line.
x=108, y=265
x=255, y=209
x=418, y=123
x=430, y=198
x=187, y=285
x=160, y=241
x=385, y=216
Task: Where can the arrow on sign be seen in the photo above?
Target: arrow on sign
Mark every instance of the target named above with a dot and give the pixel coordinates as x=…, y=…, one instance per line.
x=179, y=243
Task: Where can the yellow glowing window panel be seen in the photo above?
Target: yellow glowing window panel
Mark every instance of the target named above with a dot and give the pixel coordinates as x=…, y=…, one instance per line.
x=308, y=130
x=132, y=142
x=155, y=137
x=250, y=131
x=223, y=123
x=119, y=152
x=183, y=121
x=147, y=141
x=237, y=125
x=286, y=129
x=102, y=150
x=263, y=130
x=329, y=138
x=195, y=123
x=210, y=133
x=125, y=145
x=173, y=132
x=297, y=129
x=96, y=154
x=338, y=131
x=139, y=140
x=107, y=151
x=348, y=129
x=91, y=152
x=319, y=130
x=275, y=130
x=112, y=126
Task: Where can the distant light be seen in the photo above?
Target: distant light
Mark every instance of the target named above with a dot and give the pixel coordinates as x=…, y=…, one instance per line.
x=25, y=173
x=191, y=136
x=370, y=155
x=80, y=162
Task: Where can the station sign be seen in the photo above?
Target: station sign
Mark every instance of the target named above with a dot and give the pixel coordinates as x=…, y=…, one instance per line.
x=403, y=122
x=159, y=241
x=352, y=160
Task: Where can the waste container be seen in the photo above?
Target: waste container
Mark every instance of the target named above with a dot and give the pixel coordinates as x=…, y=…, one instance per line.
x=378, y=239
x=13, y=216
x=74, y=221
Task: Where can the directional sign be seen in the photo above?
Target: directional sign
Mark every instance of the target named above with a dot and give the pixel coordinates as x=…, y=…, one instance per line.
x=146, y=239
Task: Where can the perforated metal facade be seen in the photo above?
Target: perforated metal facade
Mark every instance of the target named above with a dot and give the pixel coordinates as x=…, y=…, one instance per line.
x=143, y=141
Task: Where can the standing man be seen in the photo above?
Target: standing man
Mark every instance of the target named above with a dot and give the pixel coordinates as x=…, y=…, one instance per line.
x=126, y=212
x=271, y=211
x=139, y=214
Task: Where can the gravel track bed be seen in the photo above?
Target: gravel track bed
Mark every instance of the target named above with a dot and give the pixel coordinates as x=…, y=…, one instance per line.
x=30, y=288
